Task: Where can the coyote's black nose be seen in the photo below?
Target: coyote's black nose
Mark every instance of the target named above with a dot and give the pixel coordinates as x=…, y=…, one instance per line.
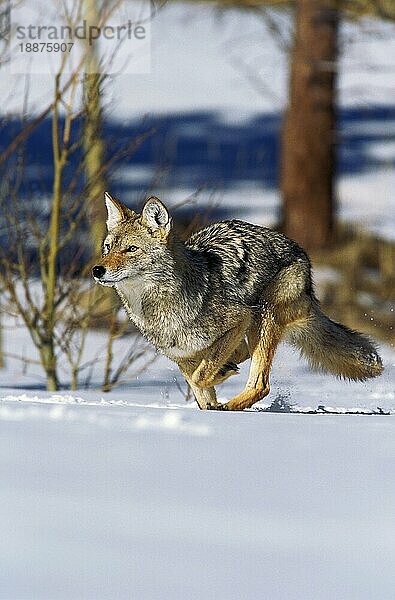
x=98, y=271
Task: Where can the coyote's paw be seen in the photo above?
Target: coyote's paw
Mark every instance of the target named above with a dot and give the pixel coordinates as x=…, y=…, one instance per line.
x=217, y=407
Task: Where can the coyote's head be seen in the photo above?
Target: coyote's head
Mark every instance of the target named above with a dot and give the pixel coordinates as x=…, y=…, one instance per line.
x=136, y=246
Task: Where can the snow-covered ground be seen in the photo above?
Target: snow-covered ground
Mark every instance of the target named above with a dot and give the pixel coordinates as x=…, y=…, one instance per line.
x=138, y=494
x=128, y=502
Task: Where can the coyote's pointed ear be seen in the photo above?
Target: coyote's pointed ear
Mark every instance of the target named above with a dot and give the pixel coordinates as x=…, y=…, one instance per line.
x=116, y=211
x=155, y=216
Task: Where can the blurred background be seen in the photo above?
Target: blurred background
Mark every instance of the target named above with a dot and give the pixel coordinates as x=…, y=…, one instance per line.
x=279, y=113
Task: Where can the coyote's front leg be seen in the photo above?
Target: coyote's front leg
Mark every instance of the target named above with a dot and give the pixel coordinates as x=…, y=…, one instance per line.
x=219, y=362
x=205, y=397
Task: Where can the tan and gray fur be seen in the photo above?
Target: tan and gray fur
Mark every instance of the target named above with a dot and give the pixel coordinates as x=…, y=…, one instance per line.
x=231, y=292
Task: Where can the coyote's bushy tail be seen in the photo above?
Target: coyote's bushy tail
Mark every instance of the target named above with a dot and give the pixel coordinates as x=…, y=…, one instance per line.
x=330, y=346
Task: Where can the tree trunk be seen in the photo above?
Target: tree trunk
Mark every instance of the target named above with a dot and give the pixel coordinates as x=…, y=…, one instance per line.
x=48, y=361
x=308, y=159
x=93, y=137
x=47, y=350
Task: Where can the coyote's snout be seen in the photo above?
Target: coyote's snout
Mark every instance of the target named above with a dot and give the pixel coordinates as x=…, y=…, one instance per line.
x=231, y=292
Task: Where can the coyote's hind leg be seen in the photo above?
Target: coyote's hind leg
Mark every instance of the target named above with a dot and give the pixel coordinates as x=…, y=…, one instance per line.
x=263, y=341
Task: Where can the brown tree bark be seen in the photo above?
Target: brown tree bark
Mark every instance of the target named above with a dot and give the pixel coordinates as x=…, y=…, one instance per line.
x=308, y=158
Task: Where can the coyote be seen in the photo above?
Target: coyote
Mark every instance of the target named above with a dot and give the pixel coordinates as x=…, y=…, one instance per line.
x=231, y=292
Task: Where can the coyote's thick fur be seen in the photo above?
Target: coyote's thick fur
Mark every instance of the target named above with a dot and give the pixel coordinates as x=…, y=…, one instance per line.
x=230, y=292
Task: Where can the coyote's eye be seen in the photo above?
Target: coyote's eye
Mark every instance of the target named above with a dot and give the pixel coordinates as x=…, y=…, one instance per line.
x=131, y=249
x=106, y=248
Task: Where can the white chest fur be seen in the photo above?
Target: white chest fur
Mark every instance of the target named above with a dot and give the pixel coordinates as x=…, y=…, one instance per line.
x=166, y=328
x=131, y=295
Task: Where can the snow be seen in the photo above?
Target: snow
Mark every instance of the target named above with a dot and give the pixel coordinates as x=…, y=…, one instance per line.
x=250, y=506
x=367, y=199
x=138, y=494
